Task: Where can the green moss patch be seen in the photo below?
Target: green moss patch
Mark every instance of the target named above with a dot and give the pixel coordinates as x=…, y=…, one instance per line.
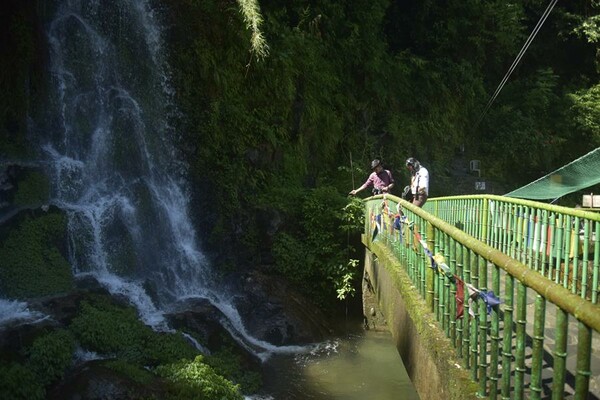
x=31, y=262
x=109, y=328
x=196, y=380
x=33, y=189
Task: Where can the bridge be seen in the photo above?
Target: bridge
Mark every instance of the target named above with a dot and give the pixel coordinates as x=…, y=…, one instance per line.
x=487, y=296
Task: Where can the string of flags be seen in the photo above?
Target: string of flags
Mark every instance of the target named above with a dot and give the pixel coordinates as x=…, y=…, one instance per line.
x=398, y=220
x=438, y=263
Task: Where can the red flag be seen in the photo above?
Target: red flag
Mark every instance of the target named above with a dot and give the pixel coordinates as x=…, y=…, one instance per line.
x=460, y=297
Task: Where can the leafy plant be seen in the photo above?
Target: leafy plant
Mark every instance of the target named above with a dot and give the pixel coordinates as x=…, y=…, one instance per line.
x=111, y=329
x=32, y=261
x=19, y=382
x=344, y=279
x=33, y=189
x=50, y=355
x=229, y=364
x=195, y=379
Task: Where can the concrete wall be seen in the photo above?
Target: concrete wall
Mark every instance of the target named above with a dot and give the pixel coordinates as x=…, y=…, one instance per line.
x=426, y=353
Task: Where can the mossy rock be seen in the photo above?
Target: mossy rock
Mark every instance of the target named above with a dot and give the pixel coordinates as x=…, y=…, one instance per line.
x=33, y=188
x=32, y=254
x=108, y=379
x=106, y=326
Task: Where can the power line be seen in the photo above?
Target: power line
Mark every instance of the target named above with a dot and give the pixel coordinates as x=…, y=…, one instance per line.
x=518, y=58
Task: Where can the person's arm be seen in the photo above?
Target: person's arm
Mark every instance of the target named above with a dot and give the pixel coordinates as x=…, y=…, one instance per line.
x=424, y=182
x=362, y=187
x=354, y=191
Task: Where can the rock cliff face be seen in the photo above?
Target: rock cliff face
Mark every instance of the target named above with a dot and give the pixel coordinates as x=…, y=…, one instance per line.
x=278, y=314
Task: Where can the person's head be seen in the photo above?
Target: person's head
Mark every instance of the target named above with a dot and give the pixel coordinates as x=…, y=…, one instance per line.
x=376, y=165
x=412, y=164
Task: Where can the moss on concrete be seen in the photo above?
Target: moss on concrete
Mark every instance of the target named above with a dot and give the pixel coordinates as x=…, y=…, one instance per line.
x=454, y=380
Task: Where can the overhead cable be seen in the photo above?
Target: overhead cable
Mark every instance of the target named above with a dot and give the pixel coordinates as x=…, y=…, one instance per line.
x=518, y=58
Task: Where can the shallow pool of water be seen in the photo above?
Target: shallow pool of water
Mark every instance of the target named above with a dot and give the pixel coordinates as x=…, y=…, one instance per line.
x=361, y=365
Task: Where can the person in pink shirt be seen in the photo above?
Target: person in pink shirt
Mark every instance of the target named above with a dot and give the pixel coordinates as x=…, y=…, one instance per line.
x=380, y=179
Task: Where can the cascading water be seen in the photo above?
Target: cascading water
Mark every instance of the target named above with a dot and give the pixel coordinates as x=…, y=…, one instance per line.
x=109, y=144
x=112, y=157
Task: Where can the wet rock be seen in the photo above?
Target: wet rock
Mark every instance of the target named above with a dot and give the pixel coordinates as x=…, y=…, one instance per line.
x=94, y=381
x=17, y=335
x=200, y=317
x=275, y=313
x=205, y=321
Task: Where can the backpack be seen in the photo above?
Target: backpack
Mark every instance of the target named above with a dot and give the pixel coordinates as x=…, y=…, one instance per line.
x=407, y=193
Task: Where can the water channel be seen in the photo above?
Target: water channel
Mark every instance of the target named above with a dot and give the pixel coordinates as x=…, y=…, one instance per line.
x=360, y=365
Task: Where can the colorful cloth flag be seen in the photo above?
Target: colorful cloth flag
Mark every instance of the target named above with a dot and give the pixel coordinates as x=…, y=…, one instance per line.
x=376, y=219
x=490, y=299
x=473, y=294
x=487, y=296
x=460, y=297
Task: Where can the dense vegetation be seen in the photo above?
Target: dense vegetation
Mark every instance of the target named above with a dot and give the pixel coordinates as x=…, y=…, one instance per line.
x=270, y=138
x=154, y=365
x=274, y=142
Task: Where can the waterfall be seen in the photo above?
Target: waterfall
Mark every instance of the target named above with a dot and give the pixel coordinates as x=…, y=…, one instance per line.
x=110, y=149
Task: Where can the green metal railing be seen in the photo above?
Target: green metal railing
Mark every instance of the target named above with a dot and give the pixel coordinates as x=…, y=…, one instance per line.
x=561, y=243
x=524, y=252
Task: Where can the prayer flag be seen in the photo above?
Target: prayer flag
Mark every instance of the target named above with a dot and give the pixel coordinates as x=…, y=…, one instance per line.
x=460, y=297
x=490, y=299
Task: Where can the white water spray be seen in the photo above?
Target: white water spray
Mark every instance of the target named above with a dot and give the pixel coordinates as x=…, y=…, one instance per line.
x=17, y=313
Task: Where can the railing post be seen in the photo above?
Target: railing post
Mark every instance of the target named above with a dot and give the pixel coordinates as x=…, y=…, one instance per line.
x=484, y=221
x=429, y=274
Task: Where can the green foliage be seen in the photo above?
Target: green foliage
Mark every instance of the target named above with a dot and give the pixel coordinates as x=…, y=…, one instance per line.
x=585, y=113
x=45, y=362
x=353, y=216
x=50, y=355
x=523, y=122
x=32, y=263
x=293, y=259
x=313, y=256
x=134, y=372
x=33, y=189
x=195, y=379
x=590, y=29
x=345, y=286
x=107, y=328
x=19, y=383
x=227, y=363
